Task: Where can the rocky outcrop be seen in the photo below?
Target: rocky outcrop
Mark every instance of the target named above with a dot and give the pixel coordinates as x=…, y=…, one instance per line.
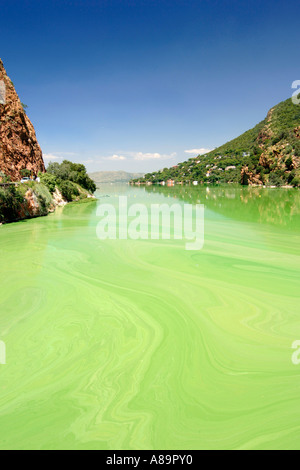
x=58, y=200
x=274, y=154
x=29, y=200
x=266, y=133
x=297, y=132
x=19, y=148
x=249, y=177
x=31, y=206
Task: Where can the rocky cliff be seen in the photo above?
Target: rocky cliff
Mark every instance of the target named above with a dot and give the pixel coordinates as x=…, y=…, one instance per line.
x=19, y=148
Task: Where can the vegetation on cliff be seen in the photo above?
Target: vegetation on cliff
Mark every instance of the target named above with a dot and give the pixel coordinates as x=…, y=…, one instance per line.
x=21, y=156
x=24, y=201
x=56, y=187
x=70, y=178
x=268, y=154
x=10, y=203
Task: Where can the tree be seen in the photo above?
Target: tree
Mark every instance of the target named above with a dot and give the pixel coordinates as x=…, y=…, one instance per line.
x=289, y=163
x=25, y=173
x=76, y=172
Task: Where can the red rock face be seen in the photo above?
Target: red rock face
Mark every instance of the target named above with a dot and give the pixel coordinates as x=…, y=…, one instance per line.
x=19, y=148
x=250, y=178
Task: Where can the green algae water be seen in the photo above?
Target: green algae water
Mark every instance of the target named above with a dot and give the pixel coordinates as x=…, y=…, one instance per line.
x=141, y=344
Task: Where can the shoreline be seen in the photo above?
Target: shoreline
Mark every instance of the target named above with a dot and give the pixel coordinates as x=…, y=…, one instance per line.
x=35, y=205
x=148, y=183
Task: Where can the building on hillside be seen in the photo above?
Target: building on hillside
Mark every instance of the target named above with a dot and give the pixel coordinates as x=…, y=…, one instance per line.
x=231, y=167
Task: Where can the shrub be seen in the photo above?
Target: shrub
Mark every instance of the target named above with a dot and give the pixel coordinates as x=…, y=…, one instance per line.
x=289, y=163
x=68, y=190
x=43, y=194
x=25, y=173
x=296, y=181
x=275, y=179
x=10, y=203
x=75, y=172
x=48, y=180
x=291, y=176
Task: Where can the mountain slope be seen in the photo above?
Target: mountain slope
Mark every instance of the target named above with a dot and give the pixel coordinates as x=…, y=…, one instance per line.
x=267, y=154
x=113, y=176
x=19, y=148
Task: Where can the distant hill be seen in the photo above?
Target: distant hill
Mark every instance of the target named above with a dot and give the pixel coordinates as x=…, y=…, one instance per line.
x=267, y=154
x=114, y=176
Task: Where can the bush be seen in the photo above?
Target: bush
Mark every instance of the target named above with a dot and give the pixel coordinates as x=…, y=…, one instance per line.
x=43, y=194
x=275, y=179
x=48, y=180
x=25, y=173
x=68, y=171
x=10, y=203
x=295, y=181
x=4, y=178
x=289, y=163
x=291, y=176
x=68, y=190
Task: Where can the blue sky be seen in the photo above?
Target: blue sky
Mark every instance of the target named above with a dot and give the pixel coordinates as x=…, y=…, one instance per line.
x=137, y=85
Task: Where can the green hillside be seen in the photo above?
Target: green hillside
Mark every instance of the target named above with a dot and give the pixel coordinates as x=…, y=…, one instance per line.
x=268, y=154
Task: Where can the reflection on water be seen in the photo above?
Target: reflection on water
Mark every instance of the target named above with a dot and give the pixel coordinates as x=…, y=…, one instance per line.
x=260, y=205
x=141, y=344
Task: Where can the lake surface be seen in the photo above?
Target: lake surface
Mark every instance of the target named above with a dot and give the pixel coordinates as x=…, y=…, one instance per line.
x=141, y=344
